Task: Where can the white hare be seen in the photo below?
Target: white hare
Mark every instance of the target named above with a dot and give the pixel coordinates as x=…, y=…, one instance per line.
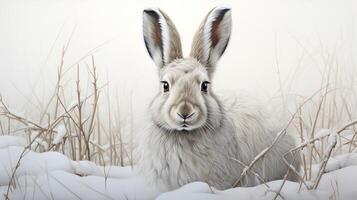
x=193, y=135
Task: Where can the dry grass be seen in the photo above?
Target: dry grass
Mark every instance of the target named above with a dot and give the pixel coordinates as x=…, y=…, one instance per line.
x=325, y=123
x=104, y=135
x=76, y=112
x=76, y=128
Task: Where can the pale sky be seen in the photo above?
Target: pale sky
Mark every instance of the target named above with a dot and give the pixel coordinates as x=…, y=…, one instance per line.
x=298, y=36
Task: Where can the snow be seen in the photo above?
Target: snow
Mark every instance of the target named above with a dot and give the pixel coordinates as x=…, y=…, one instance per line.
x=329, y=183
x=51, y=175
x=39, y=142
x=8, y=140
x=331, y=141
x=61, y=132
x=322, y=133
x=64, y=185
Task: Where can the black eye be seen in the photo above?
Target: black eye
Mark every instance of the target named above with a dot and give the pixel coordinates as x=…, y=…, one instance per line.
x=165, y=86
x=204, y=86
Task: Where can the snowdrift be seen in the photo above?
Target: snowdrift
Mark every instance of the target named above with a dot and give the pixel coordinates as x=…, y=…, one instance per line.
x=52, y=175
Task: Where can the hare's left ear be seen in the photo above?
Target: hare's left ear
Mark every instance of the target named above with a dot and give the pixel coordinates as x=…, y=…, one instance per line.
x=211, y=39
x=161, y=37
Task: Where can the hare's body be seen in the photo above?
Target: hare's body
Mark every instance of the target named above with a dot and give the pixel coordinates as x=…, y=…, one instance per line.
x=193, y=135
x=172, y=159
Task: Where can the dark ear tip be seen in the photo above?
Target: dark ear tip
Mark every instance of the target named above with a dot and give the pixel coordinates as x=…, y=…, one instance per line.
x=222, y=9
x=226, y=10
x=151, y=12
x=147, y=10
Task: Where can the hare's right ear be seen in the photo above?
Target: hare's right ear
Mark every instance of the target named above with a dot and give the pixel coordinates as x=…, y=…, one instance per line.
x=161, y=37
x=211, y=39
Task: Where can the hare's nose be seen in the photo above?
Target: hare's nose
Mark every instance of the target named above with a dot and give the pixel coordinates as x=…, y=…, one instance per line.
x=185, y=116
x=185, y=110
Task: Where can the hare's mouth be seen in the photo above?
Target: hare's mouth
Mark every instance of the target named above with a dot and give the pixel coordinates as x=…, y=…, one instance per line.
x=184, y=127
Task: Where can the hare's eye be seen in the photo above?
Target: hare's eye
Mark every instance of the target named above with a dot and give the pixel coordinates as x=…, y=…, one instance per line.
x=165, y=86
x=204, y=86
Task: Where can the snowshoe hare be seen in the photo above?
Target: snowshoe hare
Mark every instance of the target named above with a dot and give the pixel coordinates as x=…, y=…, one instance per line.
x=193, y=135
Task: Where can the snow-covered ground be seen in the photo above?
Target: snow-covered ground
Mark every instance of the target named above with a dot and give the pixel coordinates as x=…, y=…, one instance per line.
x=52, y=175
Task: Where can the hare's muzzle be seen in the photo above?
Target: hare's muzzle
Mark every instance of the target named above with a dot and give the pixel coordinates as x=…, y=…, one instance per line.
x=185, y=113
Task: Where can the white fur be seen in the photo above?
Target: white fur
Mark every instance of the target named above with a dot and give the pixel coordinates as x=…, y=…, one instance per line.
x=165, y=34
x=213, y=54
x=153, y=48
x=220, y=132
x=171, y=160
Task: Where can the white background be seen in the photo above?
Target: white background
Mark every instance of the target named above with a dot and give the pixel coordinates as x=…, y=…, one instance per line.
x=292, y=36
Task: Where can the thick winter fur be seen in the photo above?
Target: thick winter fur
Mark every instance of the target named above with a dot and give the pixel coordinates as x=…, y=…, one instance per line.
x=193, y=135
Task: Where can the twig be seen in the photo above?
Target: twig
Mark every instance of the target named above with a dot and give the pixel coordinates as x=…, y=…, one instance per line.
x=325, y=159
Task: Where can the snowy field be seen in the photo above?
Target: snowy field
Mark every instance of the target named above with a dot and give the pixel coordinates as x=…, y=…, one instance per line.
x=52, y=175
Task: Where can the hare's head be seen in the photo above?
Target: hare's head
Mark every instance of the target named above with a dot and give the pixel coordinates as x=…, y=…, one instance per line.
x=185, y=101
